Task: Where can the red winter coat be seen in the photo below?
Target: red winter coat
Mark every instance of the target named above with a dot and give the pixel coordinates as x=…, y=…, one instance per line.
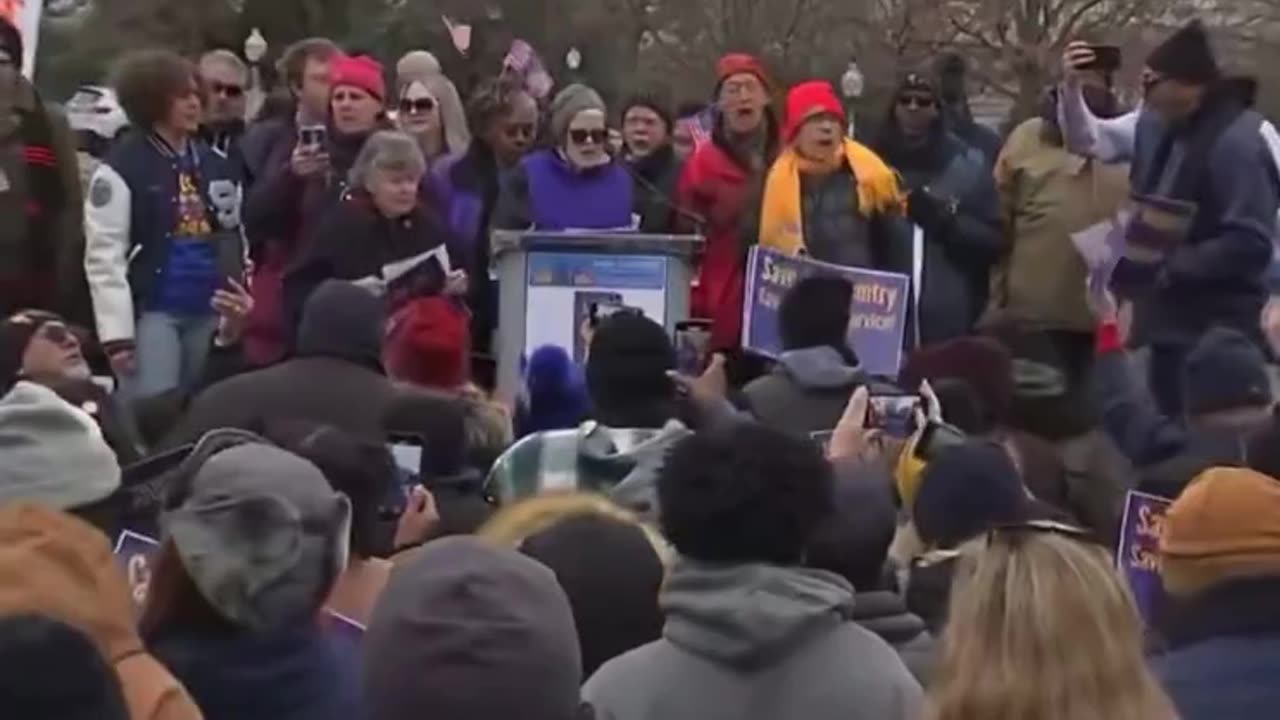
x=717, y=187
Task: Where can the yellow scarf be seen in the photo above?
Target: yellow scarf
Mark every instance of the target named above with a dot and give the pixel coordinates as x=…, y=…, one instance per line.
x=781, y=217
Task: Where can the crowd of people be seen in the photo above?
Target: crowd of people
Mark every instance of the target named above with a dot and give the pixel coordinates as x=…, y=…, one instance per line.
x=209, y=347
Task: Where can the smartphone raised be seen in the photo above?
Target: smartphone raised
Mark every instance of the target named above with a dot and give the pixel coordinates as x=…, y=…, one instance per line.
x=938, y=436
x=406, y=450
x=693, y=343
x=894, y=413
x=313, y=136
x=1106, y=58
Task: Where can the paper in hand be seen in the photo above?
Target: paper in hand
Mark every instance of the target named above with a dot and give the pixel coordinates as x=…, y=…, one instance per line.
x=418, y=276
x=1101, y=246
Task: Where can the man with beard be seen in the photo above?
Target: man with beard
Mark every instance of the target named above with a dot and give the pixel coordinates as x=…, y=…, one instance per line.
x=224, y=80
x=1205, y=194
x=720, y=180
x=1047, y=193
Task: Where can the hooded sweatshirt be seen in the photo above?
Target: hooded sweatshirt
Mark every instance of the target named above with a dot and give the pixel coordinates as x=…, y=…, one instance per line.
x=336, y=379
x=753, y=642
x=58, y=566
x=807, y=391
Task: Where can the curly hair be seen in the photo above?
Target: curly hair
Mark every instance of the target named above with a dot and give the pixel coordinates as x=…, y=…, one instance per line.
x=744, y=494
x=147, y=82
x=490, y=100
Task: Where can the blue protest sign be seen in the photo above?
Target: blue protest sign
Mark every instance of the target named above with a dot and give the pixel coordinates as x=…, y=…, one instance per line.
x=1138, y=554
x=134, y=553
x=878, y=319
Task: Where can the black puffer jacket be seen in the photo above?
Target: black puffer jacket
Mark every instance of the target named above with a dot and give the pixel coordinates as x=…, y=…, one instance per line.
x=885, y=614
x=654, y=181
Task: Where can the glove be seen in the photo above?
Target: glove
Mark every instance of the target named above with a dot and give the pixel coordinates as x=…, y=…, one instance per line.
x=928, y=211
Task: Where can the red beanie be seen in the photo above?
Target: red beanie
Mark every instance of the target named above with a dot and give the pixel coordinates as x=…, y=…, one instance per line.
x=362, y=72
x=807, y=99
x=428, y=344
x=740, y=64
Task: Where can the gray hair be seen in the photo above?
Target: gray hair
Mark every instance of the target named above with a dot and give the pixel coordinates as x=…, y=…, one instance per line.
x=227, y=58
x=386, y=151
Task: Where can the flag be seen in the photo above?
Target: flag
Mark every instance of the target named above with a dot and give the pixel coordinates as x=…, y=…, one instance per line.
x=523, y=61
x=459, y=34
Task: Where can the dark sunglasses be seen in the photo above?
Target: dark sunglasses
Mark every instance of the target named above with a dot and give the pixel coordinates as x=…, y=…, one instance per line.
x=1014, y=531
x=519, y=130
x=916, y=101
x=230, y=91
x=421, y=105
x=580, y=137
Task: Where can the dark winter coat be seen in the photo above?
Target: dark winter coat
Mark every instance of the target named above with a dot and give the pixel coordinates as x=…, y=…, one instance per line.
x=654, y=190
x=885, y=614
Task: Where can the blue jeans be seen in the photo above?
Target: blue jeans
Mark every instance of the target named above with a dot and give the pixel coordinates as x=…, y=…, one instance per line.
x=171, y=351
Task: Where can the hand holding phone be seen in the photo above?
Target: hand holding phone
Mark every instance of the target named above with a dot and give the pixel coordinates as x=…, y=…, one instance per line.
x=894, y=413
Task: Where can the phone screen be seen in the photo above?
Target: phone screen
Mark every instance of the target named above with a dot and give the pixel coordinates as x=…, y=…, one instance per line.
x=312, y=136
x=893, y=413
x=408, y=456
x=692, y=343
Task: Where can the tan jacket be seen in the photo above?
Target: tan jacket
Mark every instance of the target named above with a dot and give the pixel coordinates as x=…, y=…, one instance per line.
x=56, y=565
x=1046, y=194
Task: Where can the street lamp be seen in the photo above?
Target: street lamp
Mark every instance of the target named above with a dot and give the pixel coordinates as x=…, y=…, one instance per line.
x=255, y=48
x=852, y=85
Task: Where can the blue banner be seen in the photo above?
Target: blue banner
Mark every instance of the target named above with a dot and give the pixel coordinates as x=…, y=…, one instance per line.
x=1138, y=554
x=878, y=318
x=582, y=270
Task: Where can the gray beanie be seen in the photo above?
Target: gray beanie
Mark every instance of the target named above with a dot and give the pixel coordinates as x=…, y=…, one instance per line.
x=471, y=631
x=53, y=452
x=568, y=103
x=262, y=534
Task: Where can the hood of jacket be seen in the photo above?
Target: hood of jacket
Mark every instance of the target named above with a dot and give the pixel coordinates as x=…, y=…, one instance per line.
x=292, y=673
x=885, y=614
x=820, y=368
x=57, y=565
x=343, y=321
x=750, y=616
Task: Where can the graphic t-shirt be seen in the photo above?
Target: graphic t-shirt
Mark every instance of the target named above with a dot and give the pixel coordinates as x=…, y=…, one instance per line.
x=191, y=272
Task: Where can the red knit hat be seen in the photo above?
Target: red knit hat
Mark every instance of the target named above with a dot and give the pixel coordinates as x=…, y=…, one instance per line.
x=740, y=64
x=428, y=343
x=807, y=99
x=361, y=72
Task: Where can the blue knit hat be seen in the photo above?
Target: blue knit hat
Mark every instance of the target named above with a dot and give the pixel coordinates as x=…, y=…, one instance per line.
x=967, y=490
x=1225, y=371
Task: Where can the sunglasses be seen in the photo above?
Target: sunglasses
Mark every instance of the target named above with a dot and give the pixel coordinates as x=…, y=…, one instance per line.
x=595, y=137
x=519, y=130
x=916, y=101
x=419, y=106
x=225, y=90
x=1014, y=531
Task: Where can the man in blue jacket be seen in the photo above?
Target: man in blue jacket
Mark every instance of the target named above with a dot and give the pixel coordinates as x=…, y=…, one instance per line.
x=1195, y=145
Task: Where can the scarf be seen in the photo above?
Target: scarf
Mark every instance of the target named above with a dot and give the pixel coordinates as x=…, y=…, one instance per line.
x=46, y=195
x=782, y=214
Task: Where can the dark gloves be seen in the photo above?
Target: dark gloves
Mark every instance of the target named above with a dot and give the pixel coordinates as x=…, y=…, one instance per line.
x=930, y=212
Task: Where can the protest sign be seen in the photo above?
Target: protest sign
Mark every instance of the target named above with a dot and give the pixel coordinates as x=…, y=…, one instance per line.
x=569, y=292
x=134, y=553
x=1138, y=554
x=878, y=318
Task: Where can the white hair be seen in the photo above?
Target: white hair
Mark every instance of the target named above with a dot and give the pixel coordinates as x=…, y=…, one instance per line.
x=386, y=151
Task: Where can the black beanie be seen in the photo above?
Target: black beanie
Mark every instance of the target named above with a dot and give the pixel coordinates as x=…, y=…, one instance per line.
x=967, y=490
x=16, y=332
x=652, y=102
x=627, y=370
x=11, y=42
x=1224, y=371
x=815, y=312
x=1186, y=56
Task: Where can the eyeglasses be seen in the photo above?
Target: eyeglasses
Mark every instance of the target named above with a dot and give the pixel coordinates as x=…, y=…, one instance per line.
x=226, y=90
x=519, y=130
x=418, y=106
x=582, y=137
x=1013, y=531
x=916, y=101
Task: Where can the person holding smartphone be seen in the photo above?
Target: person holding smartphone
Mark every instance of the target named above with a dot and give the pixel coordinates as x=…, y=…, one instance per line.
x=1206, y=189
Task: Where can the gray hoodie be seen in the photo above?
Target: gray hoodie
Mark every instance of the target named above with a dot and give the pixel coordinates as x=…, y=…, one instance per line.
x=756, y=642
x=806, y=392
